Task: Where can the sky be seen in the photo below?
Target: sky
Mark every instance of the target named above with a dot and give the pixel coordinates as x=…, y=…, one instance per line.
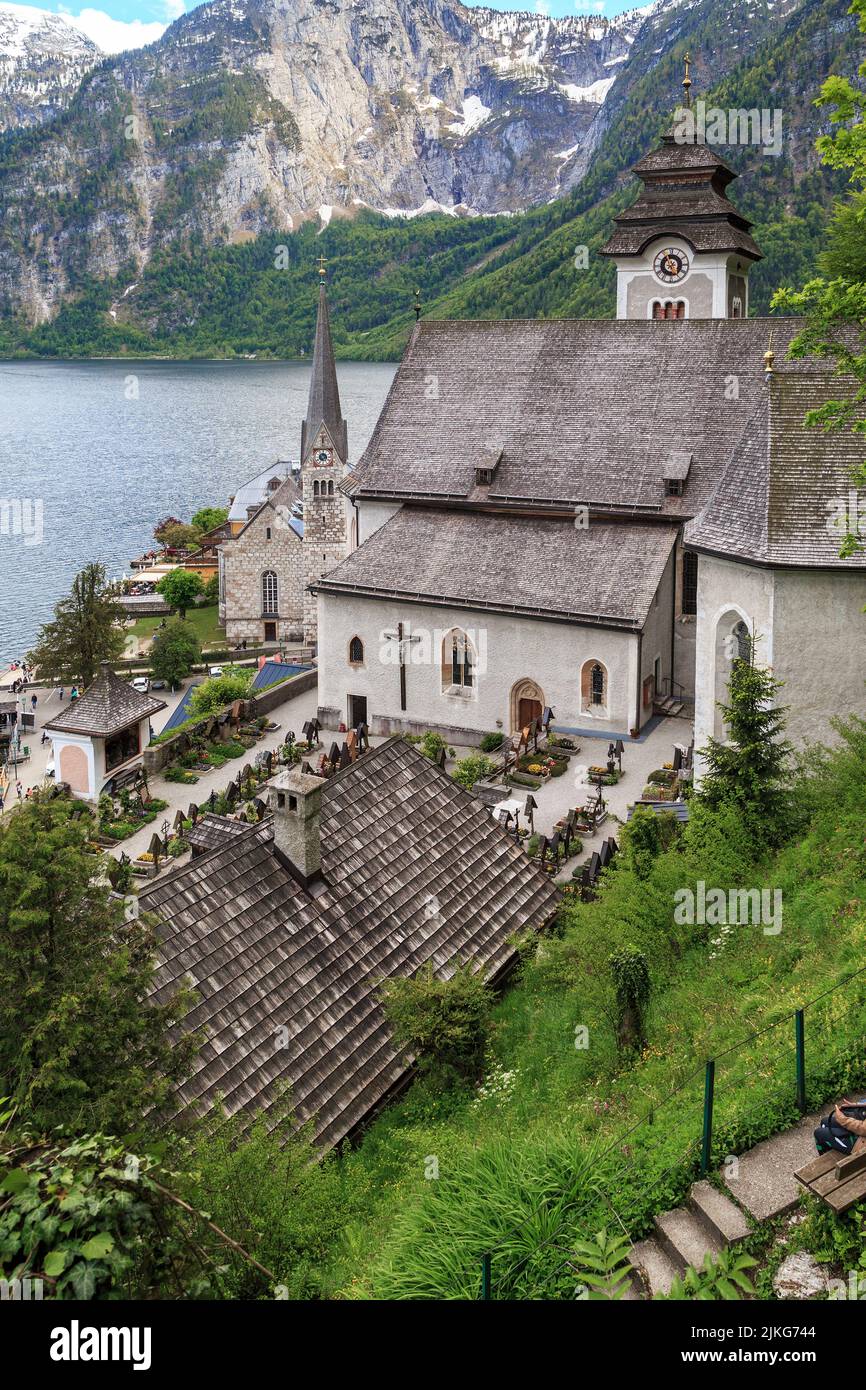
x=119, y=24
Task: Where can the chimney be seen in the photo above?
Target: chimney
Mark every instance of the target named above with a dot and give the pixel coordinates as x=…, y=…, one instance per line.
x=296, y=802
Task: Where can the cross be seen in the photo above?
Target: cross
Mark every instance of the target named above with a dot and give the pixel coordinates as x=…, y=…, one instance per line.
x=401, y=641
x=687, y=81
x=322, y=264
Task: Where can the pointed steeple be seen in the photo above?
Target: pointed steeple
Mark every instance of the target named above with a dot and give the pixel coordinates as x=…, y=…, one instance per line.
x=323, y=406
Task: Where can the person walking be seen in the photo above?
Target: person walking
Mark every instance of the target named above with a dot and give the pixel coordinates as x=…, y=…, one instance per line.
x=19, y=790
x=61, y=694
x=2, y=799
x=33, y=704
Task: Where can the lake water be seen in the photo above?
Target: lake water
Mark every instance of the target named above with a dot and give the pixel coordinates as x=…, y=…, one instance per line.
x=108, y=448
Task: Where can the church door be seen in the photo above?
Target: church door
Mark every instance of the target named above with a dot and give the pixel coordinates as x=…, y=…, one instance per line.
x=527, y=710
x=357, y=710
x=270, y=632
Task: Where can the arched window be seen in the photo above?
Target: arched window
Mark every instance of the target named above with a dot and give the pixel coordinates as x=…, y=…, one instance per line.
x=737, y=307
x=670, y=309
x=315, y=487
x=356, y=652
x=742, y=643
x=458, y=661
x=593, y=687
x=269, y=592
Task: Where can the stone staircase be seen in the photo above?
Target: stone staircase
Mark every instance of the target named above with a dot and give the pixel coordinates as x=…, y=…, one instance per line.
x=708, y=1223
x=761, y=1186
x=668, y=706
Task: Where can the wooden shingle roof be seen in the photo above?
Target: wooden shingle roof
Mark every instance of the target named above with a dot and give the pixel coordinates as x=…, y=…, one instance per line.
x=108, y=705
x=413, y=870
x=584, y=411
x=786, y=482
x=607, y=572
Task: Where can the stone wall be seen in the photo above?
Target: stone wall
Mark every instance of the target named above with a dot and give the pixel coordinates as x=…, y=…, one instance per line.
x=267, y=543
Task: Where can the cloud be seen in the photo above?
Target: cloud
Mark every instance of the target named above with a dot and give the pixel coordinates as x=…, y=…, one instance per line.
x=115, y=35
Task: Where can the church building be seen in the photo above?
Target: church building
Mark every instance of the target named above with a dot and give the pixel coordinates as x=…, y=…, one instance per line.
x=285, y=536
x=593, y=515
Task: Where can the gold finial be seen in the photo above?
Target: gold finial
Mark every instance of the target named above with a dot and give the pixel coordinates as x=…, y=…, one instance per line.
x=322, y=264
x=687, y=81
x=769, y=358
x=417, y=305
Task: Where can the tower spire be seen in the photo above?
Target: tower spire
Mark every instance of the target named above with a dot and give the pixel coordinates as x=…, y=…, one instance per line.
x=687, y=81
x=323, y=405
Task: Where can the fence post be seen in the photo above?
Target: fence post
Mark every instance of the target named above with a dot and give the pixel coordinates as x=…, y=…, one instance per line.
x=485, y=1277
x=800, y=1030
x=709, y=1092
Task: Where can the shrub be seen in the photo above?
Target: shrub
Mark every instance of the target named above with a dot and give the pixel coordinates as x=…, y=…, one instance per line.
x=491, y=742
x=472, y=769
x=219, y=691
x=444, y=1022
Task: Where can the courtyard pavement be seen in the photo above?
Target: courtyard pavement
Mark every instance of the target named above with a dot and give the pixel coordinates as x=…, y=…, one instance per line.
x=555, y=798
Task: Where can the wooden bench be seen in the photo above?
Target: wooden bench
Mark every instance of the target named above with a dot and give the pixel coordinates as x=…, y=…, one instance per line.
x=840, y=1182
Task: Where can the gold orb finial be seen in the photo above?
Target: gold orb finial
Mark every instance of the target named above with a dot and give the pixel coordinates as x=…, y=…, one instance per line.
x=769, y=358
x=687, y=81
x=322, y=264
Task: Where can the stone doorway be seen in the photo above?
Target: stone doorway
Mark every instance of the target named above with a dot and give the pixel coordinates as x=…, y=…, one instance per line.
x=527, y=703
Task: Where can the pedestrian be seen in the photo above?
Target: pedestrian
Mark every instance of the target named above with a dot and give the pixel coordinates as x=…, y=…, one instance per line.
x=29, y=793
x=61, y=694
x=33, y=703
x=44, y=738
x=73, y=694
x=19, y=790
x=2, y=798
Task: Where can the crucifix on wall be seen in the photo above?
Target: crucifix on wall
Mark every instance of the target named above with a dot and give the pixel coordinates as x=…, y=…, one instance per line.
x=402, y=642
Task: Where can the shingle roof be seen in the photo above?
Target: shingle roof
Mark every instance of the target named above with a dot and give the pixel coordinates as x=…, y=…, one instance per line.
x=785, y=482
x=256, y=491
x=415, y=871
x=211, y=832
x=606, y=572
x=585, y=411
x=108, y=705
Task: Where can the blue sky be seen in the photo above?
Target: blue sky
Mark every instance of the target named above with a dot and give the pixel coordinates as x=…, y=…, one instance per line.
x=117, y=24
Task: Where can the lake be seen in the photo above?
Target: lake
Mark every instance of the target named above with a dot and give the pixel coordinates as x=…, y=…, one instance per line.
x=108, y=448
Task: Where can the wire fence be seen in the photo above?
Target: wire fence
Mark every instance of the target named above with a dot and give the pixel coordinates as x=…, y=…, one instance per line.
x=720, y=1102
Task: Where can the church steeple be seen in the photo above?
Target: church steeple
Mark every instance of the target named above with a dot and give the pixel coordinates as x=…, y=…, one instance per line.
x=682, y=249
x=323, y=405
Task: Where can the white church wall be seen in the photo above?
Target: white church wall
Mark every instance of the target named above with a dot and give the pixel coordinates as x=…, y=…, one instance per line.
x=657, y=633
x=372, y=515
x=727, y=593
x=819, y=650
x=508, y=651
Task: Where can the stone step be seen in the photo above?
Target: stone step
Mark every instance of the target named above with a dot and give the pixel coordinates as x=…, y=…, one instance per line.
x=717, y=1213
x=763, y=1181
x=684, y=1239
x=655, y=1270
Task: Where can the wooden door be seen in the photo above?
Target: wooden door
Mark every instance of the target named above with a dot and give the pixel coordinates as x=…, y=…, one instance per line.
x=527, y=710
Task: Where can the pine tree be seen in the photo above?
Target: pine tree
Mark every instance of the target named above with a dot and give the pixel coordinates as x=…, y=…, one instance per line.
x=79, y=1043
x=750, y=769
x=84, y=632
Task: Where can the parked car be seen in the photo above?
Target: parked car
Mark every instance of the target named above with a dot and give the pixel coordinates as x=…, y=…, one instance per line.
x=214, y=670
x=141, y=684
x=157, y=685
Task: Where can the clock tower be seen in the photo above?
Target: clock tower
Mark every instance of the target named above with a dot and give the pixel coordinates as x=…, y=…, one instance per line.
x=682, y=250
x=324, y=451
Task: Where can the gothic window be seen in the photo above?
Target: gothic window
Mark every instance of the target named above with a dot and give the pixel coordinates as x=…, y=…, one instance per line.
x=316, y=488
x=593, y=687
x=742, y=642
x=737, y=307
x=690, y=582
x=269, y=592
x=458, y=661
x=356, y=652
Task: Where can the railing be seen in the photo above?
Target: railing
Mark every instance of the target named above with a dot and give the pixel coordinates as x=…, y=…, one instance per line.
x=698, y=1157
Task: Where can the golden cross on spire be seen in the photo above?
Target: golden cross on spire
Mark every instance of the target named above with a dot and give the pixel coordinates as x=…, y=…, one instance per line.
x=687, y=81
x=322, y=264
x=417, y=305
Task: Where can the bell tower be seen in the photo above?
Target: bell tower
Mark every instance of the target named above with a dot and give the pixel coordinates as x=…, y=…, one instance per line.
x=682, y=250
x=324, y=451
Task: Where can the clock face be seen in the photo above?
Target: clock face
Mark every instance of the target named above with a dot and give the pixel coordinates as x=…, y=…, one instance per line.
x=322, y=456
x=671, y=265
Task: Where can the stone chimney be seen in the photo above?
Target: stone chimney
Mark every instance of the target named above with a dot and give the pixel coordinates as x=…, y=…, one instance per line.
x=296, y=802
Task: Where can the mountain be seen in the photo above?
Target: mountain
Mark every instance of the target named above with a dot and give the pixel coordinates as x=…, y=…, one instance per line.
x=42, y=61
x=154, y=213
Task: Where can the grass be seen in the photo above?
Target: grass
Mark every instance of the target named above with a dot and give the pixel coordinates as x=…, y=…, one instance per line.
x=541, y=1154
x=204, y=620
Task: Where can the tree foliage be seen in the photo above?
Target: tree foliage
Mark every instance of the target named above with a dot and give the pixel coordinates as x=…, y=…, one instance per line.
x=442, y=1021
x=214, y=694
x=83, y=633
x=79, y=1043
x=174, y=651
x=180, y=588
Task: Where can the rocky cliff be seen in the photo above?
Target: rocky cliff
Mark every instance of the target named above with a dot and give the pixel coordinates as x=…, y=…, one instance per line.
x=42, y=61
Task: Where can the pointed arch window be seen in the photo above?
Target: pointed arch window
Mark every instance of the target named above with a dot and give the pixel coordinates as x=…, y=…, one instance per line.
x=593, y=687
x=356, y=652
x=742, y=642
x=270, y=592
